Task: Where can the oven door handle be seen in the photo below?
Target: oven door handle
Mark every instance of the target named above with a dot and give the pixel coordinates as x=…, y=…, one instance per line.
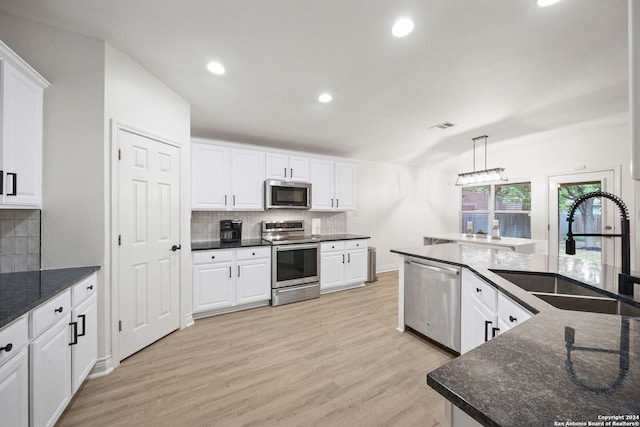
x=296, y=247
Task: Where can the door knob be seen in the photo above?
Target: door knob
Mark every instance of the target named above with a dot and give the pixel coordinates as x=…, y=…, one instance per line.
x=175, y=248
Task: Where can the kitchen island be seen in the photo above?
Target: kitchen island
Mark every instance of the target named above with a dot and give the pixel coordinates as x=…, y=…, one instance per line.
x=550, y=369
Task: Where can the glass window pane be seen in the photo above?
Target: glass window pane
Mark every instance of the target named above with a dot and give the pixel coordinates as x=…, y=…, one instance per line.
x=513, y=197
x=514, y=225
x=587, y=219
x=476, y=198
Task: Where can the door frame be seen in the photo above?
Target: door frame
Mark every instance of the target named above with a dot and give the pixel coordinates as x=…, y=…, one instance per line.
x=111, y=307
x=615, y=187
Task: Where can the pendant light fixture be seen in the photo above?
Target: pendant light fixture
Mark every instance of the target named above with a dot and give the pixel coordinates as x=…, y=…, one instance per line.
x=485, y=175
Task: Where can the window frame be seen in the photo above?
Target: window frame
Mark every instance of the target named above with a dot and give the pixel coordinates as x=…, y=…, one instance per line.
x=492, y=211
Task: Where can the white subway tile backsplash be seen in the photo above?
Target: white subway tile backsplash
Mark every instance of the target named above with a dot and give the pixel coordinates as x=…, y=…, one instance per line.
x=19, y=240
x=205, y=226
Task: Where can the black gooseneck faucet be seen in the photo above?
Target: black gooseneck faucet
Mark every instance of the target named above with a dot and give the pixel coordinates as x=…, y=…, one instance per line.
x=625, y=280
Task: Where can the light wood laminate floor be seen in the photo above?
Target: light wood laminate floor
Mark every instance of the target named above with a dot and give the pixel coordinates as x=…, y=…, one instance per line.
x=333, y=361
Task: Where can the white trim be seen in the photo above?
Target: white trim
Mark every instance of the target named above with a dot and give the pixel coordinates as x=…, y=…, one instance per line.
x=8, y=55
x=103, y=366
x=387, y=268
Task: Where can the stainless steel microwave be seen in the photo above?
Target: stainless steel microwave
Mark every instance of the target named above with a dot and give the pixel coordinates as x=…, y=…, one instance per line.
x=287, y=195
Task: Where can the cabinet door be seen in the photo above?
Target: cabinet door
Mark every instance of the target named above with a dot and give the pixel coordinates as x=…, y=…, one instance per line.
x=253, y=280
x=248, y=175
x=345, y=186
x=85, y=352
x=277, y=166
x=322, y=189
x=332, y=269
x=14, y=391
x=210, y=177
x=356, y=271
x=213, y=286
x=299, y=169
x=50, y=379
x=21, y=138
x=477, y=323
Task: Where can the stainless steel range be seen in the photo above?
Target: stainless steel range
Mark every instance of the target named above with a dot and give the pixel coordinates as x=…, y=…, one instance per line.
x=295, y=261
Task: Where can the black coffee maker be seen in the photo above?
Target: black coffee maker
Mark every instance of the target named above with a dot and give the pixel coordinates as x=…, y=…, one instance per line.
x=230, y=230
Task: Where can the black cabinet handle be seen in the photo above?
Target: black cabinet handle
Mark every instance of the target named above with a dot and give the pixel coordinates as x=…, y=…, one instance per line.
x=331, y=202
x=343, y=258
x=285, y=172
x=74, y=339
x=494, y=332
x=7, y=347
x=213, y=257
x=14, y=190
x=176, y=248
x=291, y=174
x=234, y=200
x=84, y=324
x=478, y=290
x=229, y=272
x=89, y=287
x=253, y=253
x=58, y=310
x=512, y=319
x=238, y=271
x=348, y=257
x=225, y=200
x=1, y=182
x=337, y=203
x=486, y=329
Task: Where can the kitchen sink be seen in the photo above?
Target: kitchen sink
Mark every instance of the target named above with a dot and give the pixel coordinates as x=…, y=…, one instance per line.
x=567, y=294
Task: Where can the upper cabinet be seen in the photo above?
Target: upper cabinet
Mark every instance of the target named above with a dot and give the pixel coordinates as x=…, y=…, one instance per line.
x=333, y=185
x=21, y=98
x=287, y=168
x=226, y=178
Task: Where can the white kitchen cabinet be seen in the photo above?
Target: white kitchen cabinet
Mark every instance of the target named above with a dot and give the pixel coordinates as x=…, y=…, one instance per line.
x=284, y=167
x=21, y=100
x=229, y=279
x=84, y=352
x=485, y=312
x=14, y=374
x=50, y=379
x=333, y=185
x=226, y=178
x=343, y=264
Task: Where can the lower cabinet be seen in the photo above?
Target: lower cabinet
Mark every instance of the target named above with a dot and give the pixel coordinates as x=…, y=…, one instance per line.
x=343, y=264
x=485, y=312
x=14, y=374
x=84, y=352
x=225, y=279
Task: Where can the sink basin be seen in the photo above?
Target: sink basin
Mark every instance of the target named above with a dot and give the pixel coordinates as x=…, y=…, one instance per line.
x=567, y=294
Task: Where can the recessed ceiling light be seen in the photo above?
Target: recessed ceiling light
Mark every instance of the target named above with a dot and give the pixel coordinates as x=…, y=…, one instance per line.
x=324, y=98
x=215, y=68
x=545, y=3
x=402, y=27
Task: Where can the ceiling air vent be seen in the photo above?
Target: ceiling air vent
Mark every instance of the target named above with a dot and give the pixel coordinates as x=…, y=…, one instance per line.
x=442, y=126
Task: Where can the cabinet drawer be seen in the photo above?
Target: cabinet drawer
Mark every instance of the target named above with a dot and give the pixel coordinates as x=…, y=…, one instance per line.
x=249, y=253
x=510, y=312
x=485, y=293
x=356, y=244
x=207, y=257
x=84, y=289
x=332, y=246
x=15, y=336
x=48, y=313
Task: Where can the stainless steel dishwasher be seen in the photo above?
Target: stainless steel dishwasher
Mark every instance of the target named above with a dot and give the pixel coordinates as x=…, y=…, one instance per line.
x=432, y=300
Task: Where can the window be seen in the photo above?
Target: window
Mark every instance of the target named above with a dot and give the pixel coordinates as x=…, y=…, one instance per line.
x=510, y=204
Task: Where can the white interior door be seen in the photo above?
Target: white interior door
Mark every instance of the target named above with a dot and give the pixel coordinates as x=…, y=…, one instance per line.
x=149, y=226
x=600, y=249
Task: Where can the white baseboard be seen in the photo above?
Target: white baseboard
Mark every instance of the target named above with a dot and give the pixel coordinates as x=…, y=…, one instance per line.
x=103, y=366
x=387, y=268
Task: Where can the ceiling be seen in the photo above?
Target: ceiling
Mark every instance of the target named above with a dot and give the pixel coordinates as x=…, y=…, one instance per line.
x=505, y=68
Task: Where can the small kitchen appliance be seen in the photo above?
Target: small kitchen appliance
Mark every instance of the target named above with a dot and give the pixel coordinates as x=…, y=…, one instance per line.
x=230, y=230
x=287, y=195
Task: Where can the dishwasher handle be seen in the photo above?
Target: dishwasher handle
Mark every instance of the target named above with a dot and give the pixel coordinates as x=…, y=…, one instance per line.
x=435, y=268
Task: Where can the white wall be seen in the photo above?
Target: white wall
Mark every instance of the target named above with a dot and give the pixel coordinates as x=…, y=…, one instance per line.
x=73, y=164
x=397, y=205
x=137, y=99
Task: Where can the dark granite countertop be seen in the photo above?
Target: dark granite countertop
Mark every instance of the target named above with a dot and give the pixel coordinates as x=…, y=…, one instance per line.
x=22, y=292
x=216, y=244
x=527, y=375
